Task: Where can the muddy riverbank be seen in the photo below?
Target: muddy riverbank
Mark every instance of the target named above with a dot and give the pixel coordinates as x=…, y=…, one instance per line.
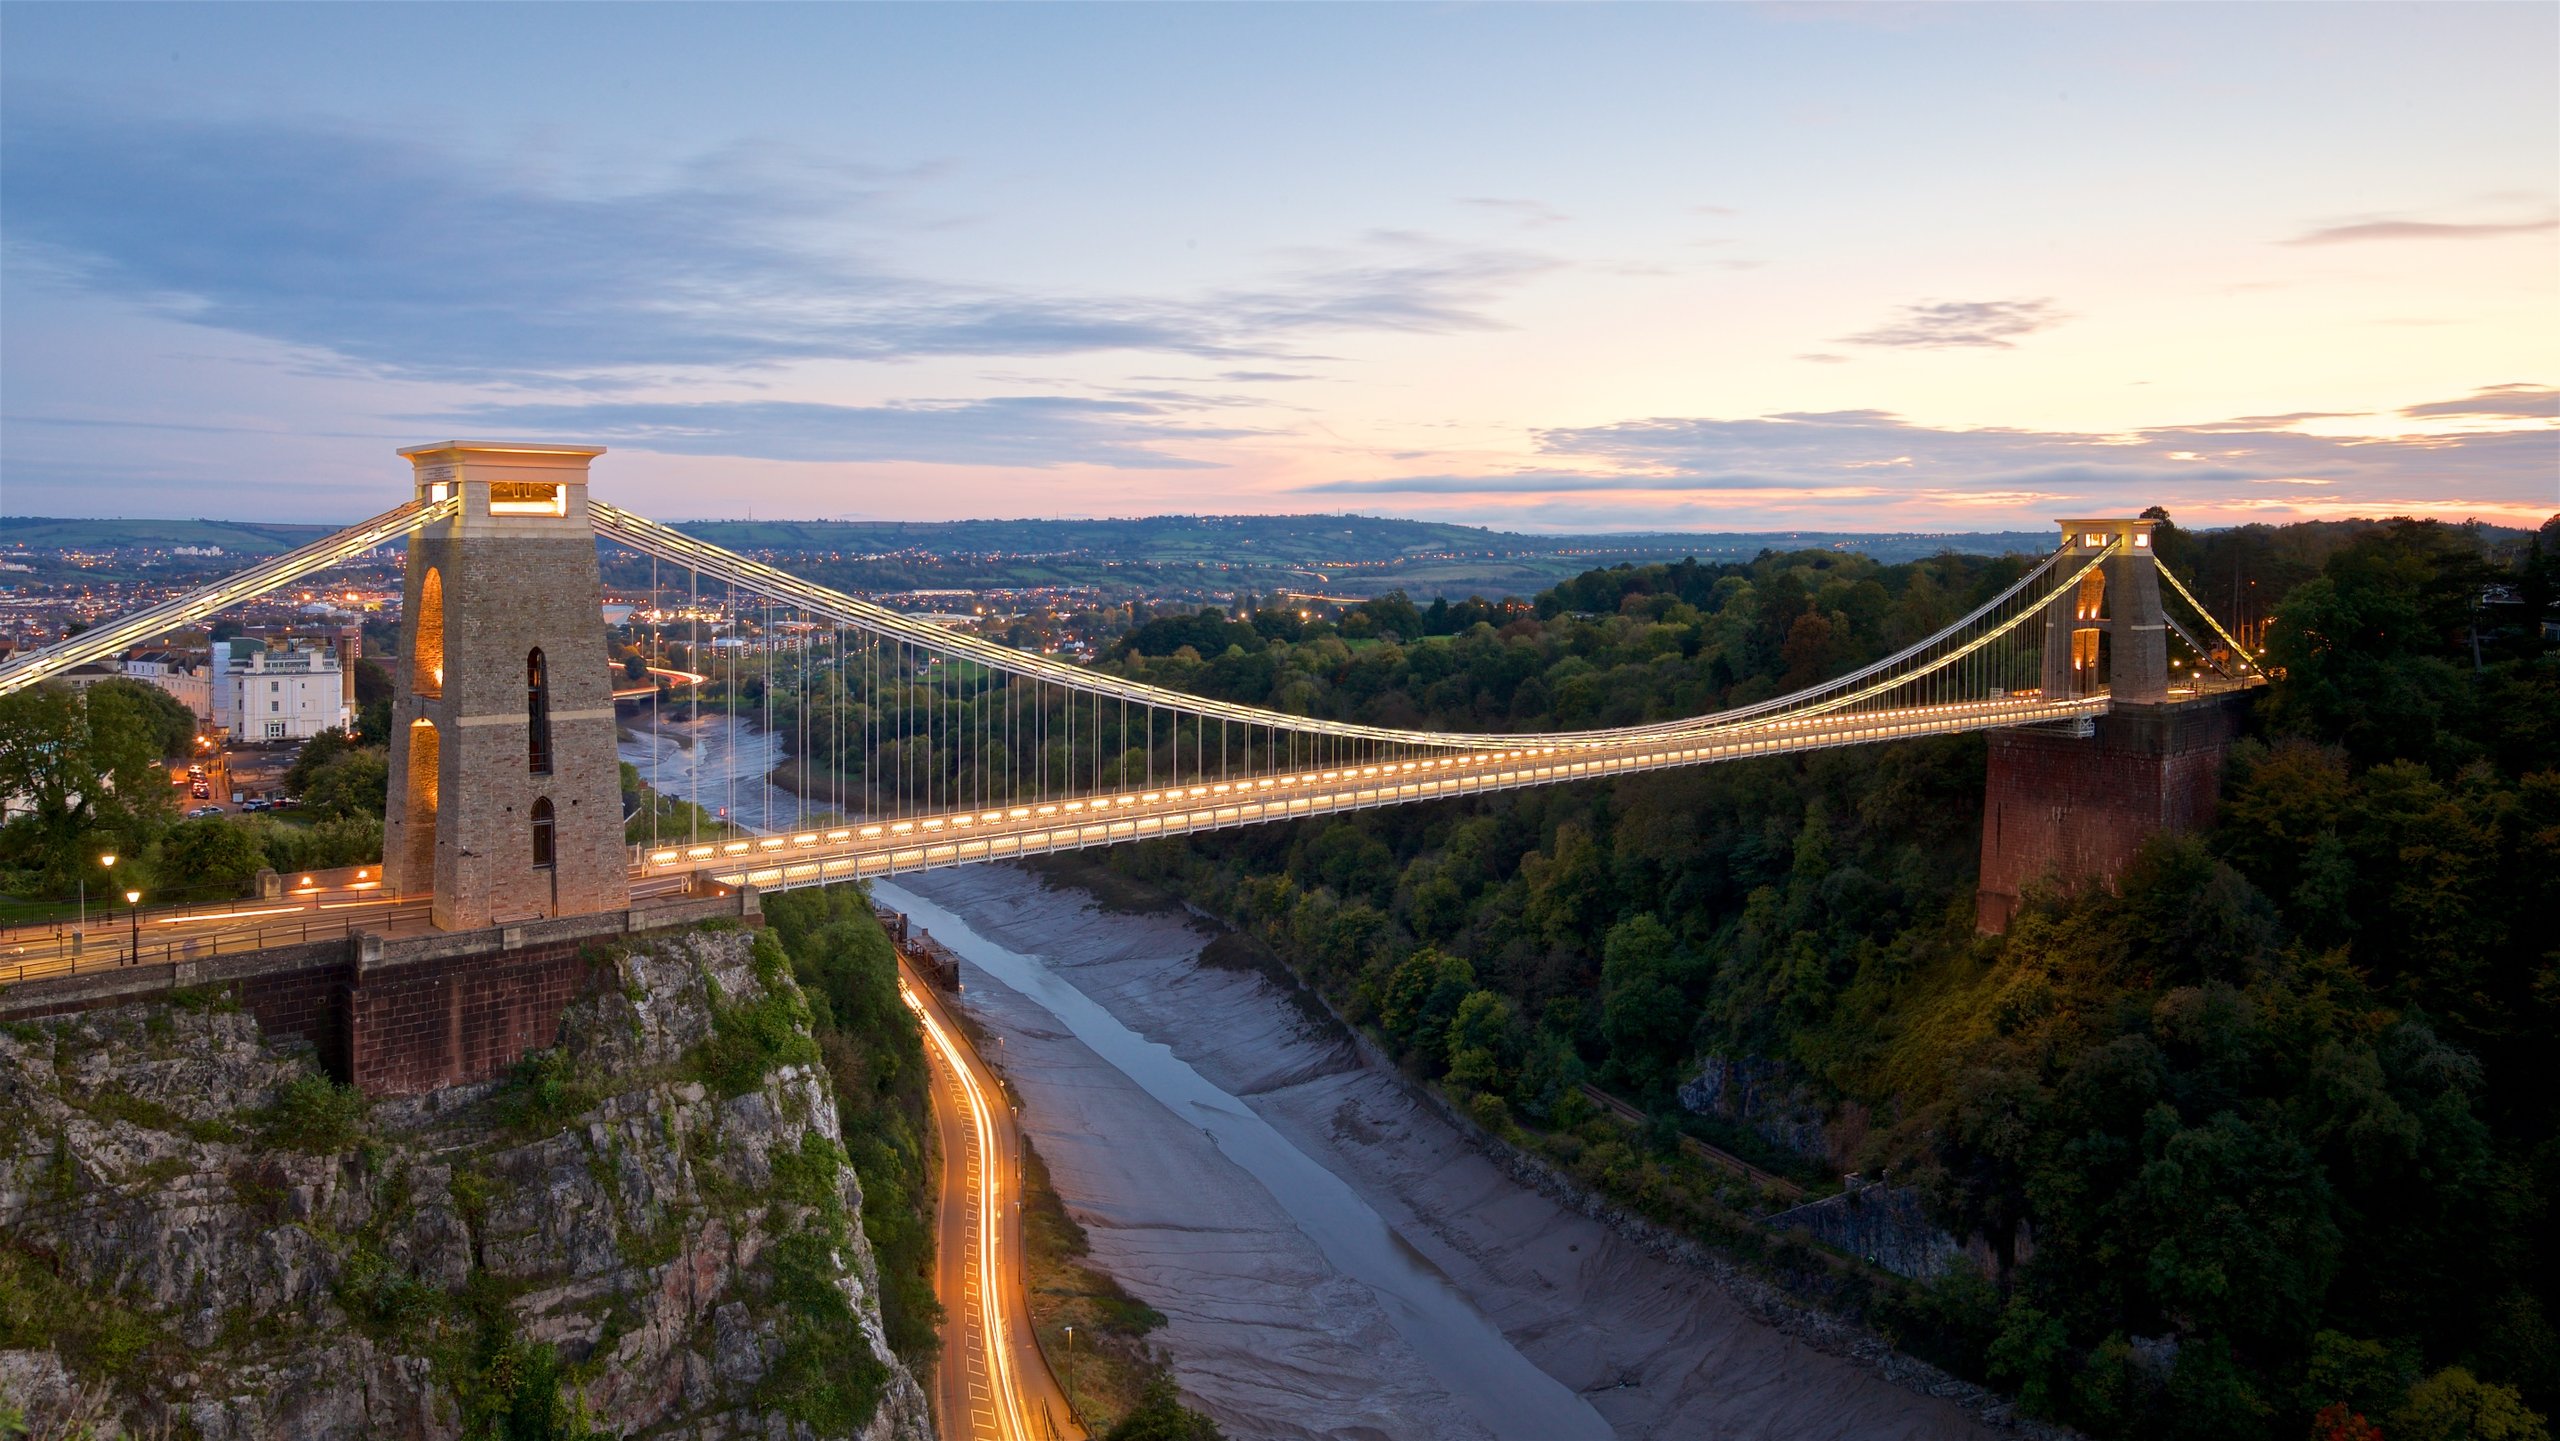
x=1188, y=1149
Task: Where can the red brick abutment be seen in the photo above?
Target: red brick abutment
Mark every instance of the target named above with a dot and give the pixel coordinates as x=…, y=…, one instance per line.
x=397, y=1015
x=2070, y=809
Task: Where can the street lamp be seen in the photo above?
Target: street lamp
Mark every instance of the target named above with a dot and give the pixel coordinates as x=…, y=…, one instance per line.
x=107, y=860
x=133, y=908
x=1071, y=1375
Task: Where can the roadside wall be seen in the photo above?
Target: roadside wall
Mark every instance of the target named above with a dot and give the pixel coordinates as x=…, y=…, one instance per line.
x=400, y=1015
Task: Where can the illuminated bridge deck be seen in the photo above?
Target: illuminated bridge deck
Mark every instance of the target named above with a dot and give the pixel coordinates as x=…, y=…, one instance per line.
x=854, y=852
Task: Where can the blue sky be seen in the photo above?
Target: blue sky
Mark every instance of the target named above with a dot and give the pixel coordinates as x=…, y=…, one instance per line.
x=1562, y=267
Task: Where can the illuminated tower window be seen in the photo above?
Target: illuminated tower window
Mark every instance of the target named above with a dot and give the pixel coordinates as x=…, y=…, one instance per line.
x=516, y=497
x=426, y=671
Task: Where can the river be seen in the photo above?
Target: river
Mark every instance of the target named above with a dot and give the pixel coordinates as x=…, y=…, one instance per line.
x=721, y=763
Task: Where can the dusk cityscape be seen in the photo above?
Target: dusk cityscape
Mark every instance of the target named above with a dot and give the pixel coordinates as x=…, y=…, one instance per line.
x=1120, y=722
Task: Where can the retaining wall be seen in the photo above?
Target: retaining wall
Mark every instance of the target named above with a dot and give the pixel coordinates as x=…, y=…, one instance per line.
x=395, y=1016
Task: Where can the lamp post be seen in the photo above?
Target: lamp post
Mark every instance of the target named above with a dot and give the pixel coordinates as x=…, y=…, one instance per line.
x=1071, y=1377
x=108, y=860
x=133, y=908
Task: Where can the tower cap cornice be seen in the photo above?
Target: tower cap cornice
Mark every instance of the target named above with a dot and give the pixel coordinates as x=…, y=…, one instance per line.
x=501, y=447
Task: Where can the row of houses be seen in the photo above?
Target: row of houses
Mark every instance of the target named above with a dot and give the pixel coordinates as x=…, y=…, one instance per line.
x=248, y=689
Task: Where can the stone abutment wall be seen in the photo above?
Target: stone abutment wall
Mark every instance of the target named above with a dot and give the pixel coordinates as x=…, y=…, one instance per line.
x=397, y=1016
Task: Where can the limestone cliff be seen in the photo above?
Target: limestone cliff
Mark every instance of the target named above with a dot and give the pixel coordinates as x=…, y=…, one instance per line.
x=650, y=1231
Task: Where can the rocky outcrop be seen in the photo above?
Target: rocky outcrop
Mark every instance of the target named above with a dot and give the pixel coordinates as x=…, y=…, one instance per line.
x=649, y=1231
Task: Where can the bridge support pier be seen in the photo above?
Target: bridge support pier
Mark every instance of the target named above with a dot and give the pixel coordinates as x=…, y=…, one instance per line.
x=2074, y=809
x=506, y=792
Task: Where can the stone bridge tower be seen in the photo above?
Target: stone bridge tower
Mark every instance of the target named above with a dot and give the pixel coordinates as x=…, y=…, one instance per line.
x=2073, y=807
x=2110, y=629
x=506, y=796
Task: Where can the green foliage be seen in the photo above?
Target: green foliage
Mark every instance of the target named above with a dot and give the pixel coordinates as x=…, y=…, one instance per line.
x=356, y=784
x=1161, y=1416
x=347, y=841
x=511, y=1389
x=826, y=1376
x=1420, y=1000
x=543, y=1093
x=384, y=1301
x=750, y=1039
x=314, y=1114
x=316, y=755
x=209, y=858
x=83, y=771
x=97, y=1334
x=2454, y=1405
x=873, y=1050
x=168, y=726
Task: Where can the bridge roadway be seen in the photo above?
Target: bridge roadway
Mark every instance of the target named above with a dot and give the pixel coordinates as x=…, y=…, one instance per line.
x=859, y=851
x=185, y=933
x=856, y=851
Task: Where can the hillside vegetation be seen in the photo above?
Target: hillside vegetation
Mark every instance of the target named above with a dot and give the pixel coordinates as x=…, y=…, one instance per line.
x=2259, y=1142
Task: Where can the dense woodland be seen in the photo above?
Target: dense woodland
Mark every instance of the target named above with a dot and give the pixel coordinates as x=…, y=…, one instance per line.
x=2262, y=1139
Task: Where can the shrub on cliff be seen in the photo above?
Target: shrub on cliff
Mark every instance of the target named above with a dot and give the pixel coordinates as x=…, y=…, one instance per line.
x=749, y=1039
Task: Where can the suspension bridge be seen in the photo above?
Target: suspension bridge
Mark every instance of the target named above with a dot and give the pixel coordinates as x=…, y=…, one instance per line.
x=505, y=801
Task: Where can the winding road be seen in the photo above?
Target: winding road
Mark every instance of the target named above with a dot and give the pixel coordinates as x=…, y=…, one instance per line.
x=992, y=1383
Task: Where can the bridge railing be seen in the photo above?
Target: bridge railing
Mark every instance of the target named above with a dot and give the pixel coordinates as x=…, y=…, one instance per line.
x=30, y=960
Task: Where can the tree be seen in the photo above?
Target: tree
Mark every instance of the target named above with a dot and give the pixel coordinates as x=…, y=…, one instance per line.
x=86, y=770
x=1421, y=998
x=357, y=783
x=1161, y=1416
x=315, y=756
x=1644, y=1013
x=169, y=724
x=2454, y=1405
x=208, y=858
x=1484, y=1043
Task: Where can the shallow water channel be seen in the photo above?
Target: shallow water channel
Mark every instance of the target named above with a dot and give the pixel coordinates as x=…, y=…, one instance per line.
x=718, y=762
x=1501, y=1388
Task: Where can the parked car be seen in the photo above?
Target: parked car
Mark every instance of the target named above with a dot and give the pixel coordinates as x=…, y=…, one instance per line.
x=200, y=812
x=255, y=803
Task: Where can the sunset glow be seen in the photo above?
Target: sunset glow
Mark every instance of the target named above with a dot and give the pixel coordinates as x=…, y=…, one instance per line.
x=1538, y=268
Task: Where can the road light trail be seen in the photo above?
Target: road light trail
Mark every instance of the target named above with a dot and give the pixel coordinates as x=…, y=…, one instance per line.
x=985, y=1263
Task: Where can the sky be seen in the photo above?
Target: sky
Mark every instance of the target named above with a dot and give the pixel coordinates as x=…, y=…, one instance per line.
x=1549, y=268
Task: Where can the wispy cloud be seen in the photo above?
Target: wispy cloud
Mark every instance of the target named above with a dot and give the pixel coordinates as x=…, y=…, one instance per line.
x=2525, y=402
x=2423, y=230
x=1033, y=431
x=408, y=260
x=1852, y=457
x=1948, y=324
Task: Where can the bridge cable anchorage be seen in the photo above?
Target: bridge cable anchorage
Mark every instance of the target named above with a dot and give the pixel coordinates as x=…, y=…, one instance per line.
x=2239, y=652
x=247, y=585
x=921, y=642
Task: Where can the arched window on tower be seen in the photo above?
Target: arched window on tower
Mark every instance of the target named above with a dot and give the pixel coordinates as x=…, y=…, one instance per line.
x=426, y=667
x=537, y=713
x=546, y=851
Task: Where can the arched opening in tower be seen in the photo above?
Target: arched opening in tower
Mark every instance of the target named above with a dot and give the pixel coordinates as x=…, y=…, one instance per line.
x=426, y=667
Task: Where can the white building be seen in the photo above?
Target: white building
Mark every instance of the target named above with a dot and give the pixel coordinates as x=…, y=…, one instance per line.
x=186, y=676
x=277, y=695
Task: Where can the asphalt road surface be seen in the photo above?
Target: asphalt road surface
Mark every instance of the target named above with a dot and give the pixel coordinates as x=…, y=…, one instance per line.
x=992, y=1383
